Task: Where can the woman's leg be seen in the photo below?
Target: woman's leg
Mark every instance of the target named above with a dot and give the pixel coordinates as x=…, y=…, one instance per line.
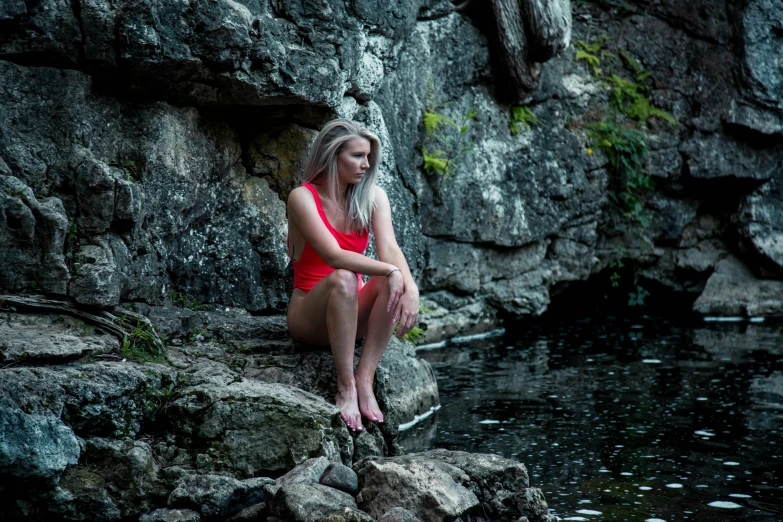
x=375, y=324
x=328, y=314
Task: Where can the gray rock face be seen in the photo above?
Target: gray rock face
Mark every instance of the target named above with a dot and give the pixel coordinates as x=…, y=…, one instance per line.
x=169, y=221
x=311, y=502
x=714, y=156
x=422, y=488
x=34, y=446
x=171, y=515
x=762, y=46
x=221, y=52
x=94, y=399
x=760, y=222
x=217, y=496
x=39, y=337
x=32, y=237
x=252, y=427
x=441, y=484
x=733, y=290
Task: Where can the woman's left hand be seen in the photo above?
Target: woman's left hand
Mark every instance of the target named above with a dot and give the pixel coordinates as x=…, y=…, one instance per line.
x=407, y=312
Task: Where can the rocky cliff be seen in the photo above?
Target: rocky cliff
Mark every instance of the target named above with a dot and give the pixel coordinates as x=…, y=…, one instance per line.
x=147, y=149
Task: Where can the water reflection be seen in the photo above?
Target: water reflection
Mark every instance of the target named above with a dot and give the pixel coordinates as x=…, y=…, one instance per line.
x=624, y=420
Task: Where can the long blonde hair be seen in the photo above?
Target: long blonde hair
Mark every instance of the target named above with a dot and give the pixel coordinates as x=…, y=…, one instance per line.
x=359, y=202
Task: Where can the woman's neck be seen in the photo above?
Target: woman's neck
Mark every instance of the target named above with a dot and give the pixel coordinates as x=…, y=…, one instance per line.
x=340, y=196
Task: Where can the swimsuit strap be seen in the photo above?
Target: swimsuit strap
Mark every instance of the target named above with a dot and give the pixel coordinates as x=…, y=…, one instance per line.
x=321, y=211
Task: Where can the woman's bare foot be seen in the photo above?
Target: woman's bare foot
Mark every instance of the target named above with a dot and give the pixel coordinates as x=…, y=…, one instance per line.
x=349, y=408
x=368, y=406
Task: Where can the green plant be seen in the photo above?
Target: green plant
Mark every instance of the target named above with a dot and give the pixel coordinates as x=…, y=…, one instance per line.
x=179, y=299
x=415, y=335
x=129, y=168
x=16, y=192
x=521, y=117
x=140, y=342
x=71, y=241
x=445, y=144
x=629, y=98
x=591, y=53
x=637, y=297
x=198, y=331
x=159, y=400
x=620, y=134
x=626, y=149
x=31, y=287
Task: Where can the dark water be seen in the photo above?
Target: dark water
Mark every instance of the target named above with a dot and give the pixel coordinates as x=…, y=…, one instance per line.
x=624, y=419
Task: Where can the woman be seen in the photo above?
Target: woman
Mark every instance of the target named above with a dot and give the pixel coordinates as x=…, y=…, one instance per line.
x=329, y=218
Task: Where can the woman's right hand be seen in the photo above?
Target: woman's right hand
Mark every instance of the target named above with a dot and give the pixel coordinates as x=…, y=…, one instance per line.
x=396, y=289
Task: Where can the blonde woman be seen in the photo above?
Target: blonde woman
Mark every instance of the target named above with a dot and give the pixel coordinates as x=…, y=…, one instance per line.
x=329, y=218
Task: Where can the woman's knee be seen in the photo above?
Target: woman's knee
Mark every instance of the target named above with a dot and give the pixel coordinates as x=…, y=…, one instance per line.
x=344, y=282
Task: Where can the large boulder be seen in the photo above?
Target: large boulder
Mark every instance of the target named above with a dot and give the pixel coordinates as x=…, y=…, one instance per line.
x=733, y=290
x=404, y=385
x=112, y=399
x=443, y=485
x=217, y=496
x=313, y=503
x=34, y=445
x=114, y=479
x=249, y=428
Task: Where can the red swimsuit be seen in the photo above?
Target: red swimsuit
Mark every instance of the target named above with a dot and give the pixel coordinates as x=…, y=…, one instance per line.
x=310, y=268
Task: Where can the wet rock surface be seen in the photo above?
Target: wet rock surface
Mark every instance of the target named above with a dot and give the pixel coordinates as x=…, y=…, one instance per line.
x=190, y=433
x=441, y=484
x=733, y=290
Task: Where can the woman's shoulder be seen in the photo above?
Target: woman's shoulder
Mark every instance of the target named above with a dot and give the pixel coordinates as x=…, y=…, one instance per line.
x=300, y=193
x=301, y=198
x=379, y=195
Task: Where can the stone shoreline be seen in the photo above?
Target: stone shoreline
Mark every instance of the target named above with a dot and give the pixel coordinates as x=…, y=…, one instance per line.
x=216, y=426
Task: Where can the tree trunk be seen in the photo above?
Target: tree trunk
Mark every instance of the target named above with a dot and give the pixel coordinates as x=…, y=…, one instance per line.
x=523, y=73
x=547, y=27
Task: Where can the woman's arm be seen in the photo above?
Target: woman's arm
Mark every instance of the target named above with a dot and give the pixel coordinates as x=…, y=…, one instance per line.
x=303, y=213
x=407, y=309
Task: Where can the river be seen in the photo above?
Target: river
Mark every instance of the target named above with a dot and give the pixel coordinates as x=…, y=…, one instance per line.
x=624, y=419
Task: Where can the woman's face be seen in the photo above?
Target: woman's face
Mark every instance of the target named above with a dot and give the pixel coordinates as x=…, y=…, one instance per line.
x=353, y=161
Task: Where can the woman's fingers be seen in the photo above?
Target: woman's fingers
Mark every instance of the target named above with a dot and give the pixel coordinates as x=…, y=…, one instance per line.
x=394, y=304
x=395, y=293
x=397, y=308
x=407, y=321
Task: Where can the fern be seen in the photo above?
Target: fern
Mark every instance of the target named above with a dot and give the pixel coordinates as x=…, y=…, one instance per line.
x=522, y=116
